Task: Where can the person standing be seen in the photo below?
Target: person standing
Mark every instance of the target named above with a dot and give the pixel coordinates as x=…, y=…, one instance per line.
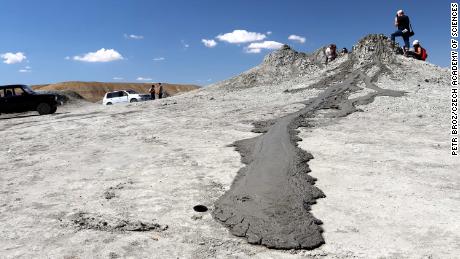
x=402, y=22
x=152, y=92
x=160, y=91
x=331, y=53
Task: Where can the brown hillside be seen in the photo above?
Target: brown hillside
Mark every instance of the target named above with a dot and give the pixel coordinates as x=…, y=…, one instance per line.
x=94, y=91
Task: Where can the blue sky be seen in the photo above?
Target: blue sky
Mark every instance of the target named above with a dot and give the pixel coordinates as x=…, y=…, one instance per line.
x=52, y=40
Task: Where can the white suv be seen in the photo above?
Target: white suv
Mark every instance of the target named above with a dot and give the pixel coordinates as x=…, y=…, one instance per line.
x=123, y=96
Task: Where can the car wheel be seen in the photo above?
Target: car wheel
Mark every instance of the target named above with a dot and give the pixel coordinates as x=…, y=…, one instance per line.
x=108, y=104
x=43, y=108
x=53, y=110
x=134, y=100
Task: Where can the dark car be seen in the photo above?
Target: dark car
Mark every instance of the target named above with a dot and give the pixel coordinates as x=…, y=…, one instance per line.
x=21, y=98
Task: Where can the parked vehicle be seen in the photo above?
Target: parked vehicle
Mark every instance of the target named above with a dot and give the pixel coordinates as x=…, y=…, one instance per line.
x=21, y=98
x=124, y=96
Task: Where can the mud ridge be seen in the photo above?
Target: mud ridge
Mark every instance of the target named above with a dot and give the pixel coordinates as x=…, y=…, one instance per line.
x=110, y=193
x=84, y=220
x=270, y=198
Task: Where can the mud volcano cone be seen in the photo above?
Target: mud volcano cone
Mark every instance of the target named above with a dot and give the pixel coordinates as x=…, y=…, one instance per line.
x=269, y=200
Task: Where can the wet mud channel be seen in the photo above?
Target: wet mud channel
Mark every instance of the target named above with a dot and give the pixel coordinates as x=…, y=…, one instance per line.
x=270, y=199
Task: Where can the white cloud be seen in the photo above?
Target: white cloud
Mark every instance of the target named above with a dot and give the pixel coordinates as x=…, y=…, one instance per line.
x=117, y=78
x=143, y=79
x=269, y=33
x=159, y=59
x=12, y=58
x=204, y=81
x=209, y=43
x=26, y=69
x=241, y=36
x=133, y=37
x=256, y=47
x=67, y=58
x=297, y=38
x=185, y=44
x=253, y=50
x=102, y=55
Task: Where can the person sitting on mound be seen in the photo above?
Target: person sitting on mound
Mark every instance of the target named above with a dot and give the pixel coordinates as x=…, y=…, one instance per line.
x=418, y=53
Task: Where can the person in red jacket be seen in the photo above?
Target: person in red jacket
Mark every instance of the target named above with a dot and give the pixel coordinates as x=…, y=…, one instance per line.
x=418, y=53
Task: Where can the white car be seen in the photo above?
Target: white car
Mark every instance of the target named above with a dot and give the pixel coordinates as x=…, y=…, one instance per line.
x=123, y=96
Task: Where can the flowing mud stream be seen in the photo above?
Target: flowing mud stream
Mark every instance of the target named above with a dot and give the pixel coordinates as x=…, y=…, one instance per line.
x=269, y=200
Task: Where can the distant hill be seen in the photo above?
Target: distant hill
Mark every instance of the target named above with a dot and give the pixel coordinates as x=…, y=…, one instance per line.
x=94, y=91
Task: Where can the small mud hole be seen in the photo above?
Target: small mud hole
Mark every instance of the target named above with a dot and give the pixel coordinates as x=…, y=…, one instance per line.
x=200, y=208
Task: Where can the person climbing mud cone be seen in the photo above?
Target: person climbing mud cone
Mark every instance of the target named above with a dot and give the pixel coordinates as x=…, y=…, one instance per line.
x=402, y=22
x=331, y=53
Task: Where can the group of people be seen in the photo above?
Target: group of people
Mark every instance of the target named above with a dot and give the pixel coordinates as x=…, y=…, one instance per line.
x=402, y=22
x=156, y=90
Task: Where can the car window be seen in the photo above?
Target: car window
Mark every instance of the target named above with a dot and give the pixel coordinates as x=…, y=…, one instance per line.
x=2, y=93
x=17, y=91
x=27, y=89
x=8, y=92
x=124, y=93
x=109, y=95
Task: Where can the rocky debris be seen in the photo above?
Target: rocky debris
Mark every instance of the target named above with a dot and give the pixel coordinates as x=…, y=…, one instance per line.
x=110, y=192
x=197, y=217
x=113, y=255
x=165, y=103
x=84, y=220
x=375, y=47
